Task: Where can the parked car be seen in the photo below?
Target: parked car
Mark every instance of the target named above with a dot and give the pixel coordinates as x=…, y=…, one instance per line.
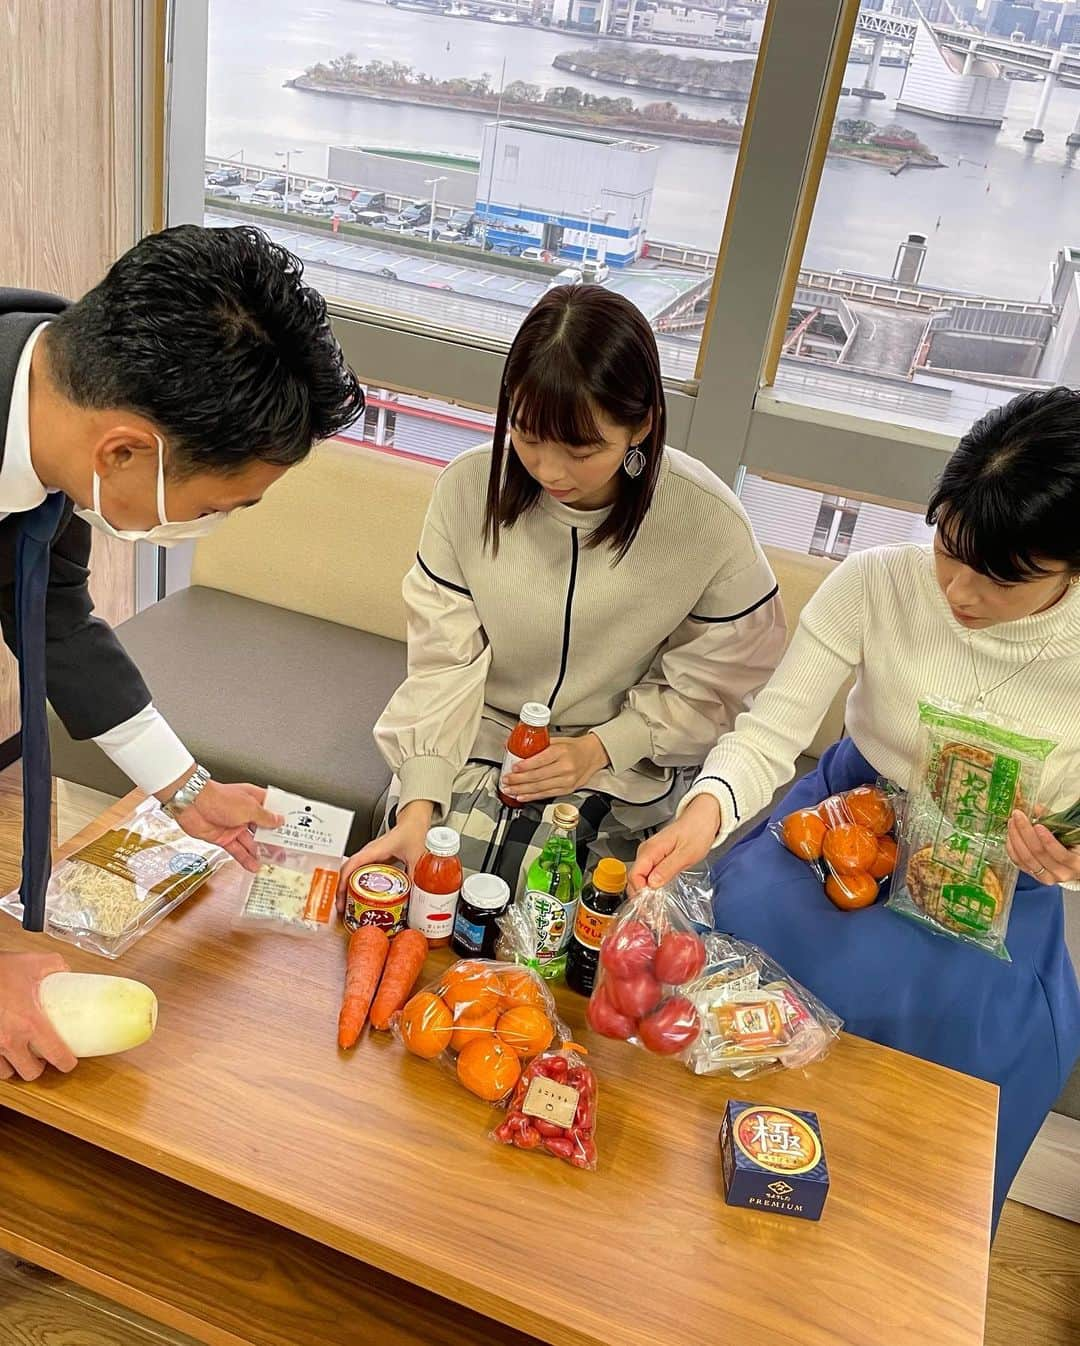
x=222, y=193
x=569, y=275
x=387, y=273
x=537, y=255
x=374, y=219
x=319, y=194
x=270, y=191
x=225, y=177
x=595, y=272
x=463, y=222
x=418, y=213
x=319, y=212
x=364, y=202
x=447, y=235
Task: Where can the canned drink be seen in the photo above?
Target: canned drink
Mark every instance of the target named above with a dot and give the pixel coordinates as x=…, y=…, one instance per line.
x=377, y=895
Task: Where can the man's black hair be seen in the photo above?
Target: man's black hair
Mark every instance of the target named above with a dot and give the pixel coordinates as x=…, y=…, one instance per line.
x=1009, y=498
x=213, y=336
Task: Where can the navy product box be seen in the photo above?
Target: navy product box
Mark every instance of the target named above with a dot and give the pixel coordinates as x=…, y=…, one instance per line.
x=773, y=1160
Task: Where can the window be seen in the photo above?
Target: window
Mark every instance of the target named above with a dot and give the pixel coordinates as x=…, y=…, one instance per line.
x=478, y=149
x=420, y=427
x=940, y=276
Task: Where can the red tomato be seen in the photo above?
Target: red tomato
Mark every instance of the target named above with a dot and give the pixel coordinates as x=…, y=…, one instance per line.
x=602, y=1016
x=680, y=958
x=670, y=1028
x=635, y=996
x=629, y=950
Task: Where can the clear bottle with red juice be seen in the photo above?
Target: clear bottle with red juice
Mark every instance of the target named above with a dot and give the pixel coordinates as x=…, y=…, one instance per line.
x=436, y=887
x=527, y=738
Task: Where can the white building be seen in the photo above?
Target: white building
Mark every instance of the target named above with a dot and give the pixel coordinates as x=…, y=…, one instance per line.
x=1061, y=362
x=564, y=191
x=941, y=83
x=684, y=23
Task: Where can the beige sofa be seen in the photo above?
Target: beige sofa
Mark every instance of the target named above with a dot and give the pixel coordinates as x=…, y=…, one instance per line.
x=276, y=662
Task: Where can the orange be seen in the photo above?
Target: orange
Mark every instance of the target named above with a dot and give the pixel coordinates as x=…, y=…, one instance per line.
x=868, y=807
x=851, y=891
x=425, y=1025
x=803, y=833
x=468, y=1027
x=848, y=848
x=488, y=1068
x=474, y=990
x=885, y=861
x=525, y=1030
x=522, y=987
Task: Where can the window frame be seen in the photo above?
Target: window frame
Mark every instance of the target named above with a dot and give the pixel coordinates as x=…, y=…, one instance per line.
x=726, y=416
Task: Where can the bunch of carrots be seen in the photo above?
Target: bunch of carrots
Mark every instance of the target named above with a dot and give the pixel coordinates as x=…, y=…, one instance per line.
x=379, y=976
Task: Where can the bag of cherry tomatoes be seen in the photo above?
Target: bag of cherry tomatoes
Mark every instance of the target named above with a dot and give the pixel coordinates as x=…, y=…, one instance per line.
x=553, y=1109
x=483, y=1020
x=849, y=841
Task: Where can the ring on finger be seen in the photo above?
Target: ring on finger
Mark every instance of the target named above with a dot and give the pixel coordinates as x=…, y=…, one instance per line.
x=1040, y=870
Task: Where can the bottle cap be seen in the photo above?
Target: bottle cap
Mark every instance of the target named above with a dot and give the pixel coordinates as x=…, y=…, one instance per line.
x=565, y=815
x=532, y=712
x=609, y=875
x=443, y=841
x=487, y=892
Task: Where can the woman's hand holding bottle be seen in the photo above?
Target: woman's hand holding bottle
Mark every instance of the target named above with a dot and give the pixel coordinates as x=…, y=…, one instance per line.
x=680, y=845
x=562, y=768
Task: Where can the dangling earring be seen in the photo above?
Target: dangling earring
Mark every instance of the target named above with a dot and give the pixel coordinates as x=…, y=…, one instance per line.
x=635, y=462
x=1074, y=581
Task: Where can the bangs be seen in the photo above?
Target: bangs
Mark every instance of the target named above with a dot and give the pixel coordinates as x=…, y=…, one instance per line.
x=992, y=542
x=547, y=405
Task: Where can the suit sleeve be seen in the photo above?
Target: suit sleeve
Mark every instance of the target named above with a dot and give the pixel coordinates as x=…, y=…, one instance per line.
x=93, y=685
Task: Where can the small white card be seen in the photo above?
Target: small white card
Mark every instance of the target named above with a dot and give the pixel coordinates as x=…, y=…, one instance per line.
x=311, y=827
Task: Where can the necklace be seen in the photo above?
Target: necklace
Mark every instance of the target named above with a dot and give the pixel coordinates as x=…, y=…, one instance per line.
x=981, y=703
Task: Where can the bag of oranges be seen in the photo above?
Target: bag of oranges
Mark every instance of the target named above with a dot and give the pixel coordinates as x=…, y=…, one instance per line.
x=484, y=1021
x=849, y=841
x=553, y=1109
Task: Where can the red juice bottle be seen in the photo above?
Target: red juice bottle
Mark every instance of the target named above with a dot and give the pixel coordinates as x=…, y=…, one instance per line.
x=527, y=738
x=436, y=886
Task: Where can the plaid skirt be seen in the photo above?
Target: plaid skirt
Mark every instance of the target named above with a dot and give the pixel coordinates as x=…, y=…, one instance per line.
x=504, y=841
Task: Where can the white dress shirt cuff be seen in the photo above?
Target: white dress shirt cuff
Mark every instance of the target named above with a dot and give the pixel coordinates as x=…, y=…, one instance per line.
x=147, y=750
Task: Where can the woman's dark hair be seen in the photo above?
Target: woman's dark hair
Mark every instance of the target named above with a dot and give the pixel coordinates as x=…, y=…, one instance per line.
x=582, y=349
x=1009, y=498
x=212, y=335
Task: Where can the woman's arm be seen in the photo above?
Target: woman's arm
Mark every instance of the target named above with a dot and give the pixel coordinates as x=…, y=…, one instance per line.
x=748, y=765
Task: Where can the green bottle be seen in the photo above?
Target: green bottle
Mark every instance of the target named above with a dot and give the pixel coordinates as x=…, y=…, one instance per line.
x=552, y=891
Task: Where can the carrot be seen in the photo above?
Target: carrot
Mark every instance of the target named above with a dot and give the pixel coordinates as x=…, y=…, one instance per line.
x=368, y=948
x=407, y=954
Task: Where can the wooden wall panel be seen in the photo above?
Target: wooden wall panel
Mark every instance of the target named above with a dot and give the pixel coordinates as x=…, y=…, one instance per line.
x=68, y=205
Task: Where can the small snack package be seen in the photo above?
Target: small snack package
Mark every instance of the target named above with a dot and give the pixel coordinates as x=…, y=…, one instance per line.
x=295, y=890
x=108, y=894
x=484, y=1021
x=553, y=1109
x=716, y=1003
x=954, y=873
x=848, y=840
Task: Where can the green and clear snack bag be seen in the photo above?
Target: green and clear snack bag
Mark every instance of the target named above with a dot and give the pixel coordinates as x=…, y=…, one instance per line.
x=953, y=871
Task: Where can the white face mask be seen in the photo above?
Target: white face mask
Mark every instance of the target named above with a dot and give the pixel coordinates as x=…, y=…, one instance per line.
x=166, y=534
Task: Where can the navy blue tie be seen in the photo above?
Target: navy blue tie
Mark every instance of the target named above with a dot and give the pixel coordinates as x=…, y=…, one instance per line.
x=37, y=528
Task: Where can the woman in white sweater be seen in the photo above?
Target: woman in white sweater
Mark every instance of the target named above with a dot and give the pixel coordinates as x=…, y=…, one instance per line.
x=580, y=564
x=990, y=615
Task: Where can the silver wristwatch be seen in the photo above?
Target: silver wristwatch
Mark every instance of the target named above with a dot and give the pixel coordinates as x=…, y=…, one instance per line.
x=187, y=794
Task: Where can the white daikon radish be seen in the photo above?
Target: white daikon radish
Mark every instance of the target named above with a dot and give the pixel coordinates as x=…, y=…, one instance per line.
x=98, y=1015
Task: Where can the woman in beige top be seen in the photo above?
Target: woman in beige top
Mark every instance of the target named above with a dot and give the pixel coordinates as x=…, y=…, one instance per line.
x=581, y=564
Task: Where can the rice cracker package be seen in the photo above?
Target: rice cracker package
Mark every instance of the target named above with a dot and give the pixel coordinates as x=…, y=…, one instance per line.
x=953, y=871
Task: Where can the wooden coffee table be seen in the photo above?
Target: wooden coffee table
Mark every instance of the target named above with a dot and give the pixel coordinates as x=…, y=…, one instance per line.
x=240, y=1180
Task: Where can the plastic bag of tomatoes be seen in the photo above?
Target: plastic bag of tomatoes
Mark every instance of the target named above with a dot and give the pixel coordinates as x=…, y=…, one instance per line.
x=553, y=1109
x=849, y=840
x=483, y=1020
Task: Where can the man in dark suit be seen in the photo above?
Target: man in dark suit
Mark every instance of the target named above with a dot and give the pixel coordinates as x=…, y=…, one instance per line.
x=178, y=390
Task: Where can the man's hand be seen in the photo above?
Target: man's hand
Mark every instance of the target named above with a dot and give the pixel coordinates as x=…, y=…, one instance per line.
x=678, y=846
x=559, y=770
x=405, y=841
x=28, y=1041
x=226, y=815
x=1036, y=850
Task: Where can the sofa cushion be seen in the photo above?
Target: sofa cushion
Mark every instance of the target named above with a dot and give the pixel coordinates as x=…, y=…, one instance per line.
x=259, y=693
x=333, y=538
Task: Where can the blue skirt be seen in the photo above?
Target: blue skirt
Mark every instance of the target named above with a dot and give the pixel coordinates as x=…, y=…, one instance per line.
x=1016, y=1024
